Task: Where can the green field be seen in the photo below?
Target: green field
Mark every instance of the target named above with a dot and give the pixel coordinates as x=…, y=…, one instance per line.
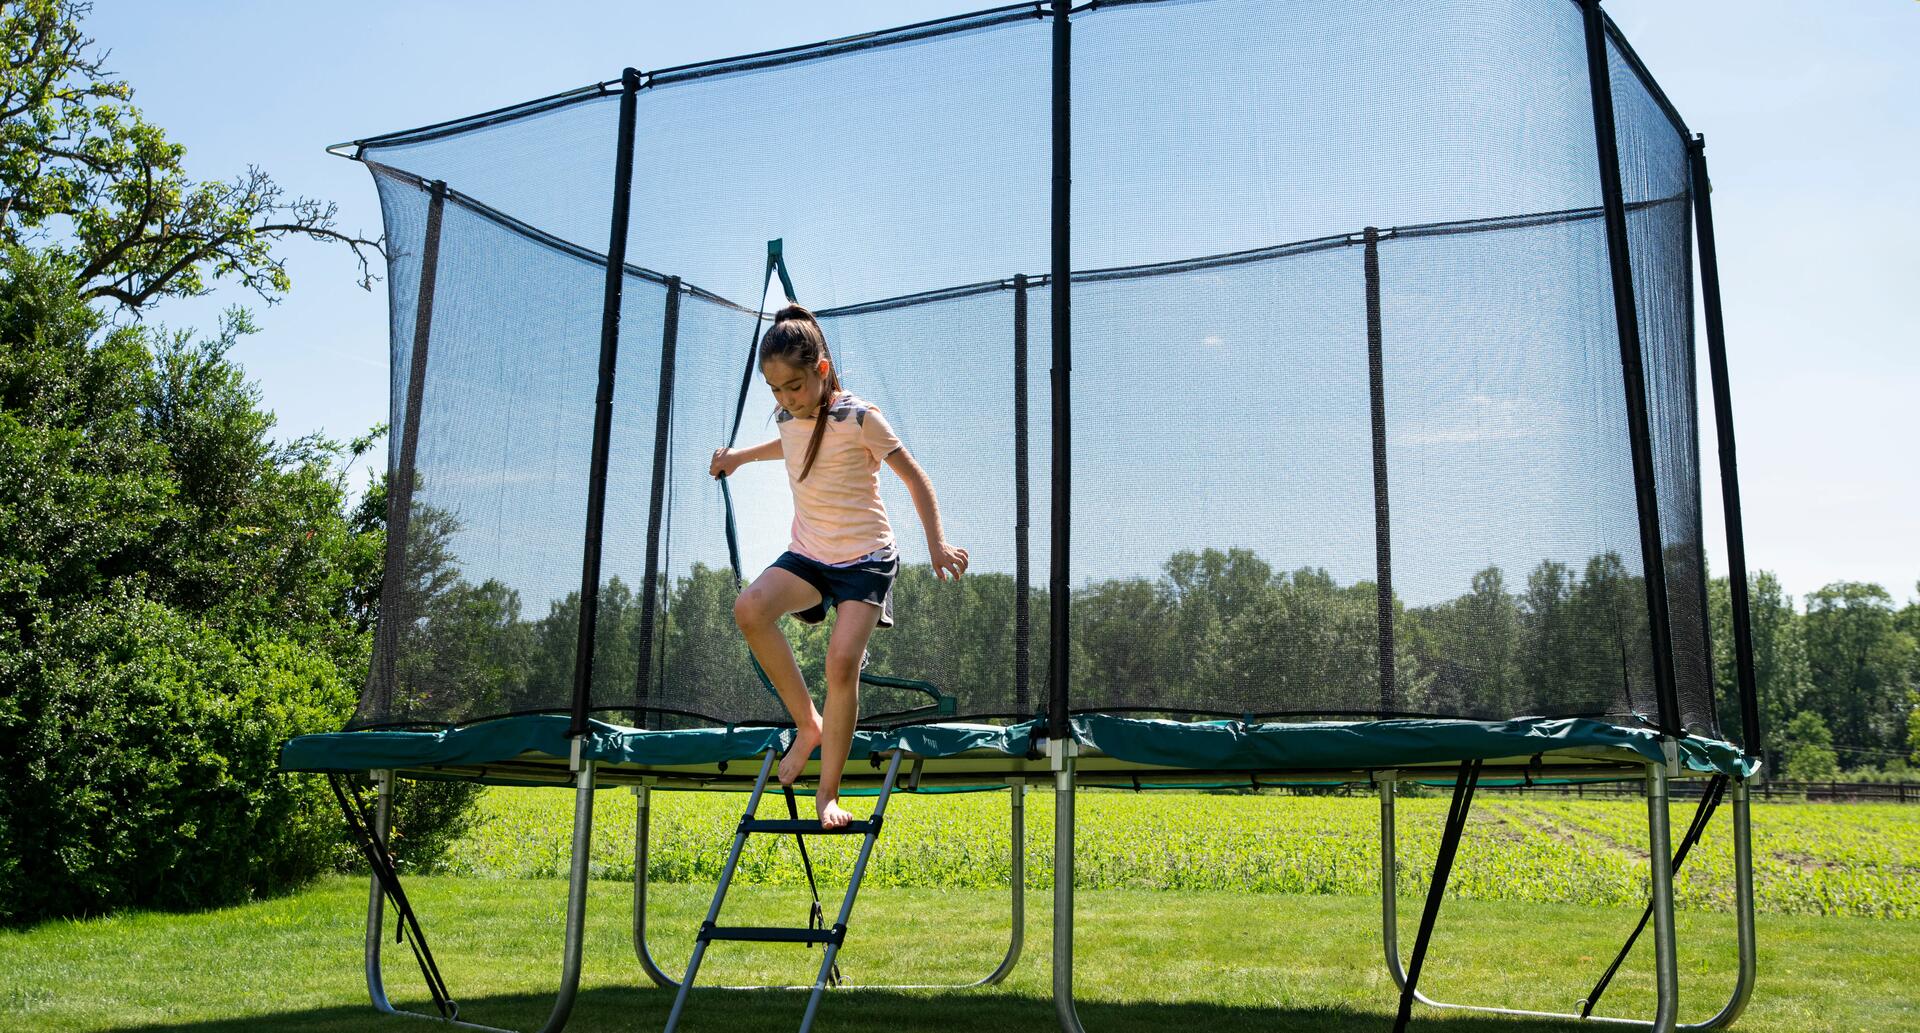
x=1854, y=860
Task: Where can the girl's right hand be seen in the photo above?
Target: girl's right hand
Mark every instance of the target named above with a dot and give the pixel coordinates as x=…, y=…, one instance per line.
x=723, y=463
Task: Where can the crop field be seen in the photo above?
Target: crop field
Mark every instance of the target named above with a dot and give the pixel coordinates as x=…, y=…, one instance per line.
x=1860, y=860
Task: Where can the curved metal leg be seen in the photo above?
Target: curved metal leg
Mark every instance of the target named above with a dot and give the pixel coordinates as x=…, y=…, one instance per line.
x=1663, y=914
x=642, y=833
x=1063, y=753
x=1017, y=877
x=576, y=910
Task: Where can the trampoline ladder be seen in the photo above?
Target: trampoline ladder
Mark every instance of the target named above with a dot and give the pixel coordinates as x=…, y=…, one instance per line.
x=832, y=937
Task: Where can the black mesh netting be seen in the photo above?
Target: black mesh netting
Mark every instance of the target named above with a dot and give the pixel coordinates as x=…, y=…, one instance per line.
x=1362, y=473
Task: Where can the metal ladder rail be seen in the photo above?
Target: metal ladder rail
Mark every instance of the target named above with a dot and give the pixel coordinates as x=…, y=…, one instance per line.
x=869, y=830
x=1016, y=937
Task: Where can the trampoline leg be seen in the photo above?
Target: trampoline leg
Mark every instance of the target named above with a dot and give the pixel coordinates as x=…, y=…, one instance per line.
x=576, y=910
x=1667, y=979
x=642, y=833
x=1660, y=848
x=1742, y=910
x=1063, y=754
x=576, y=897
x=1389, y=882
x=1017, y=879
x=376, y=901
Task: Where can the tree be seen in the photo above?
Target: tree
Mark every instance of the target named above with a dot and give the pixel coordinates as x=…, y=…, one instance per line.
x=1546, y=621
x=1860, y=660
x=1913, y=727
x=179, y=593
x=1783, y=679
x=1809, y=749
x=85, y=179
x=1474, y=651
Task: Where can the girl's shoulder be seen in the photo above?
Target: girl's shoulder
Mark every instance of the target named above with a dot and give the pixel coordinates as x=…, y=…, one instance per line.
x=850, y=406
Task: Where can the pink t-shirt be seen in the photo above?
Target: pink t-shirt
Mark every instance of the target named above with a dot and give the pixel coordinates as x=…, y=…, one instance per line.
x=837, y=515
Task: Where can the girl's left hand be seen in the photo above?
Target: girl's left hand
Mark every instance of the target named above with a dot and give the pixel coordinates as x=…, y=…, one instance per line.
x=945, y=558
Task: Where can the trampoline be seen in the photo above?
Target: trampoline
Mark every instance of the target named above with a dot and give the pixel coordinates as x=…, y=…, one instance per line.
x=1365, y=449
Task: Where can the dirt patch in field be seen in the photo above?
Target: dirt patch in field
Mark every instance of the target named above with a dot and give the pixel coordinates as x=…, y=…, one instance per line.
x=1575, y=836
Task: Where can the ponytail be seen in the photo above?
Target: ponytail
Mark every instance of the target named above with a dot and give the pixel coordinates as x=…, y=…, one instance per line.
x=796, y=340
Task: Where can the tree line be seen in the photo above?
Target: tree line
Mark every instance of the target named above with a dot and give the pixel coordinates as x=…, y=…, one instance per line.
x=1217, y=631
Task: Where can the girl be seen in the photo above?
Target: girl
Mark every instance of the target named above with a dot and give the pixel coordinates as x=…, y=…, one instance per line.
x=842, y=555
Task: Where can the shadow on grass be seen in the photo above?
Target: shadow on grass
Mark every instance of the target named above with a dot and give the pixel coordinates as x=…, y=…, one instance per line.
x=869, y=1011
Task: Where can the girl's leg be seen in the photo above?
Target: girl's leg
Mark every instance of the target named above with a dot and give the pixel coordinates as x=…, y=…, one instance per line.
x=757, y=611
x=851, y=629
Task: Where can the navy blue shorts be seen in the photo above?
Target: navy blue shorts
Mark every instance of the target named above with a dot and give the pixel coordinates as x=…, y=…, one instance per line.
x=866, y=580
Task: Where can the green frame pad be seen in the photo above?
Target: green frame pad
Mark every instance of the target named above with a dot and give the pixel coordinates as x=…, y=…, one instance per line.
x=1346, y=745
x=1171, y=745
x=491, y=742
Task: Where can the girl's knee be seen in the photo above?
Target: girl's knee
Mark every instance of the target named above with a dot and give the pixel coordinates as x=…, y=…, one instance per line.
x=749, y=611
x=842, y=669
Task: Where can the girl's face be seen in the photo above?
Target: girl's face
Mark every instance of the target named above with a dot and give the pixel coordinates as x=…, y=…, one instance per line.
x=797, y=389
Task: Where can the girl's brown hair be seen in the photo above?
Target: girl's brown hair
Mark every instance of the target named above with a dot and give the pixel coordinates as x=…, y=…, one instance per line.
x=795, y=339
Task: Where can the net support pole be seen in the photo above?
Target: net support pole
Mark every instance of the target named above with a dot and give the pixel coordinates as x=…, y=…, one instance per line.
x=1059, y=728
x=1729, y=467
x=1626, y=320
x=1059, y=282
x=1022, y=557
x=662, y=428
x=603, y=402
x=1382, y=531
x=400, y=487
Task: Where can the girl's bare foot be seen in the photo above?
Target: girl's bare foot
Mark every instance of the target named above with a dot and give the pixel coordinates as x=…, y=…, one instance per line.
x=805, y=741
x=832, y=815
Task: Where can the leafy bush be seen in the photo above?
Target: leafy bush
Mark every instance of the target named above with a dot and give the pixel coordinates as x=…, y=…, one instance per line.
x=144, y=764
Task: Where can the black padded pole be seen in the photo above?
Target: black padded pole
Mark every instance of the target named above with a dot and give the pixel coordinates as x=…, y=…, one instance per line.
x=1022, y=558
x=1626, y=319
x=400, y=488
x=603, y=402
x=662, y=426
x=1463, y=786
x=1059, y=283
x=1729, y=468
x=1382, y=532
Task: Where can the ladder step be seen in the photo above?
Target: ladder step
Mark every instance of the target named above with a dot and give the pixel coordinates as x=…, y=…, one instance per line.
x=772, y=934
x=807, y=828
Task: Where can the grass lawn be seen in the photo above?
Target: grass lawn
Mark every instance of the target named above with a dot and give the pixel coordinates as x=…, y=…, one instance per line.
x=1148, y=960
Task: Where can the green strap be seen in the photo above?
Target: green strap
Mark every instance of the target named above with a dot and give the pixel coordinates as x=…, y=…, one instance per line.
x=777, y=263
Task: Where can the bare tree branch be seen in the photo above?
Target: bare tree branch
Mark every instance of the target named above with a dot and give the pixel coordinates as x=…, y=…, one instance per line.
x=84, y=174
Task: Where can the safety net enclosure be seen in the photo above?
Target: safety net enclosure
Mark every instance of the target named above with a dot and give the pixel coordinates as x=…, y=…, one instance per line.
x=1353, y=426
x=1312, y=384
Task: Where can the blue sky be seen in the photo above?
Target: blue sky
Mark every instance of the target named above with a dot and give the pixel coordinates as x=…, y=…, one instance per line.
x=1809, y=111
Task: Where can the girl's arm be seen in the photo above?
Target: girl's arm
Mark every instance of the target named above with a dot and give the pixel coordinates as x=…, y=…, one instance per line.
x=945, y=557
x=727, y=460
